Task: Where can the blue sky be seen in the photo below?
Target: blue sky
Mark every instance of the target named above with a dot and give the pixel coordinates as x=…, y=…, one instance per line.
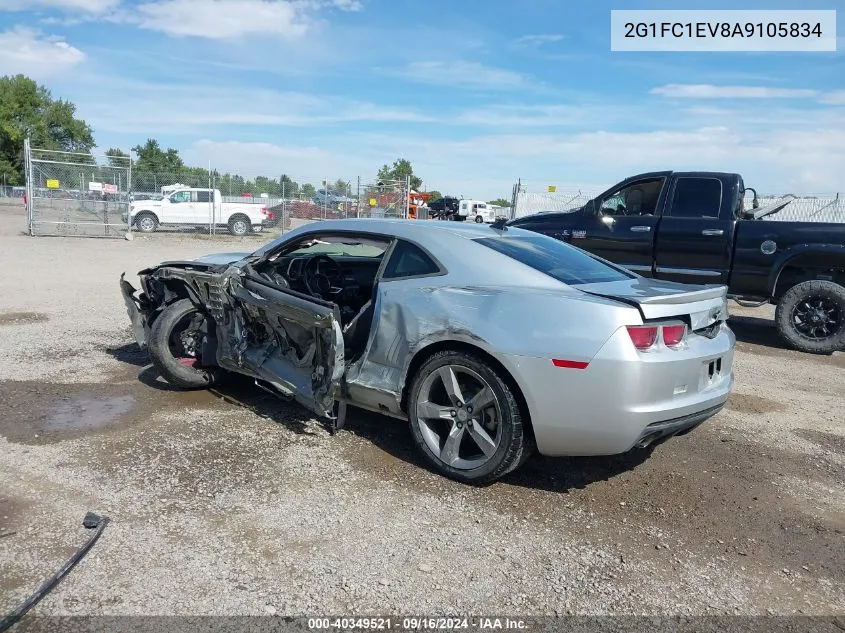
x=475, y=93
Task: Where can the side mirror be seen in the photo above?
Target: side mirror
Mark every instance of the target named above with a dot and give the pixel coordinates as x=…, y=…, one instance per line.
x=608, y=220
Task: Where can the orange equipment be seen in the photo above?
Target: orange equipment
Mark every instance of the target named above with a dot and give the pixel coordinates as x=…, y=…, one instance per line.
x=416, y=200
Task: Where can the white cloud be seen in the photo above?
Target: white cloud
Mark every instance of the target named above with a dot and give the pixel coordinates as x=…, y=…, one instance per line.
x=347, y=5
x=538, y=40
x=486, y=166
x=25, y=51
x=837, y=97
x=545, y=115
x=709, y=91
x=303, y=162
x=70, y=6
x=223, y=19
x=187, y=109
x=232, y=19
x=461, y=74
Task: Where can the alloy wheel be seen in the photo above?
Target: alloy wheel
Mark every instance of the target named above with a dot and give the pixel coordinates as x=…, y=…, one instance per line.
x=817, y=318
x=459, y=417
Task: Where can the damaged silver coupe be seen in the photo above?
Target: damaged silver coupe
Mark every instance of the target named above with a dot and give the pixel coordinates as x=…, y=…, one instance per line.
x=490, y=341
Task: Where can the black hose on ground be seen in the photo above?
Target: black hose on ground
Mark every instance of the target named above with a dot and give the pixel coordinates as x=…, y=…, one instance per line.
x=91, y=521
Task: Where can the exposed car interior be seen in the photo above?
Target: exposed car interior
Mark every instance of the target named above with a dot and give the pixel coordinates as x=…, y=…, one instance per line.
x=339, y=269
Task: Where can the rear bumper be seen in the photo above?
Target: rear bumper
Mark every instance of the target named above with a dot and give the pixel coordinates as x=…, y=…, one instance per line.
x=657, y=431
x=623, y=396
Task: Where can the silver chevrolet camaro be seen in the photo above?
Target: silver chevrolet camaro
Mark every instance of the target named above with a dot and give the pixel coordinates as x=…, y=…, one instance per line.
x=490, y=340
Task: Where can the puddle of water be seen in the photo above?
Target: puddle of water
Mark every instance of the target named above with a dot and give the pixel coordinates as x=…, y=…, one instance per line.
x=85, y=412
x=21, y=318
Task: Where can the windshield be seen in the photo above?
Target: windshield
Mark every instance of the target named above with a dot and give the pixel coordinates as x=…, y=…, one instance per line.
x=338, y=246
x=556, y=259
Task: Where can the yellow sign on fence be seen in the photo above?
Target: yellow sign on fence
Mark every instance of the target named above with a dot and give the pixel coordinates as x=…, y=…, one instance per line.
x=373, y=202
x=52, y=184
x=552, y=188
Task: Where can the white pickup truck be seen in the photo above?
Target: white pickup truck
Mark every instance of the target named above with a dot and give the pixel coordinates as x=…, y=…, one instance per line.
x=197, y=207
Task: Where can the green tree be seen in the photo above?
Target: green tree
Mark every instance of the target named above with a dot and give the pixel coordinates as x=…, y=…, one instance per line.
x=29, y=110
x=288, y=187
x=340, y=187
x=308, y=190
x=400, y=170
x=500, y=202
x=435, y=195
x=151, y=158
x=117, y=157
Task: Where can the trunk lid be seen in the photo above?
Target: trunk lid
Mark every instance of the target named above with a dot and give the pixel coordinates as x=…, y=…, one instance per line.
x=701, y=306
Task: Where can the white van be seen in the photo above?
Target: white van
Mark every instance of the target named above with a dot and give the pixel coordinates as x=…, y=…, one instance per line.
x=476, y=211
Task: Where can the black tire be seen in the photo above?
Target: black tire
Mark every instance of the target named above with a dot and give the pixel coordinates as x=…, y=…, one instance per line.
x=170, y=368
x=240, y=225
x=514, y=445
x=146, y=222
x=821, y=299
x=479, y=219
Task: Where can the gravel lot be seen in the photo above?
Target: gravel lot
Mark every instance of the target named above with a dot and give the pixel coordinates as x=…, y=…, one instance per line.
x=233, y=502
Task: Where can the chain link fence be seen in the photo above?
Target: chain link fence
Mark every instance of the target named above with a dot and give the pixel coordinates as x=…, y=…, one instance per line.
x=383, y=199
x=76, y=194
x=807, y=208
x=199, y=200
x=529, y=199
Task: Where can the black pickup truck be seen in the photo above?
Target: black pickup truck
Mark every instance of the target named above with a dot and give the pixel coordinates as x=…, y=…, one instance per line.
x=693, y=227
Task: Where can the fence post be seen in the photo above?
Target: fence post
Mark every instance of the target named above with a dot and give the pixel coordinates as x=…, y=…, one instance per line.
x=283, y=205
x=358, y=198
x=407, y=196
x=28, y=184
x=129, y=195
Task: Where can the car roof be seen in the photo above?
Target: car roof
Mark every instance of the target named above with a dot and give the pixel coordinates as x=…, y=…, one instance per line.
x=454, y=245
x=410, y=229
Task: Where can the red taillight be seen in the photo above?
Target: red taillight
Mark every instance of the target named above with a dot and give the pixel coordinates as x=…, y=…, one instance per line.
x=673, y=335
x=643, y=336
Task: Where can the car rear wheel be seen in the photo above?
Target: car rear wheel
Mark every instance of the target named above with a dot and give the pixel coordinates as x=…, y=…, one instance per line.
x=810, y=316
x=175, y=345
x=465, y=419
x=146, y=222
x=239, y=225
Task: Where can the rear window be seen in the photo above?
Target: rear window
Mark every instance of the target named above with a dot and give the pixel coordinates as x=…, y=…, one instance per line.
x=556, y=259
x=696, y=198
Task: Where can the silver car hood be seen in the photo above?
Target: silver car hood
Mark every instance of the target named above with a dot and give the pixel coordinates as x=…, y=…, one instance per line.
x=658, y=299
x=221, y=258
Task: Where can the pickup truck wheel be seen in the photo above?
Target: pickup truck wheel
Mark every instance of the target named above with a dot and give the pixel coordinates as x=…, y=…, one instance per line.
x=146, y=222
x=479, y=219
x=239, y=225
x=810, y=316
x=175, y=343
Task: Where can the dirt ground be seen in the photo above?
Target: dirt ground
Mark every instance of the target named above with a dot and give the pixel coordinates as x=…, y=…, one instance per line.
x=233, y=502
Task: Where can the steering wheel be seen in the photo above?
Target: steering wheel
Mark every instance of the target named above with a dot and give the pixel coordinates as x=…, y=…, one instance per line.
x=318, y=283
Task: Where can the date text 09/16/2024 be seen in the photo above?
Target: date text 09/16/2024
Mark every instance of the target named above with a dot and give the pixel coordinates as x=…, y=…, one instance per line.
x=415, y=623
